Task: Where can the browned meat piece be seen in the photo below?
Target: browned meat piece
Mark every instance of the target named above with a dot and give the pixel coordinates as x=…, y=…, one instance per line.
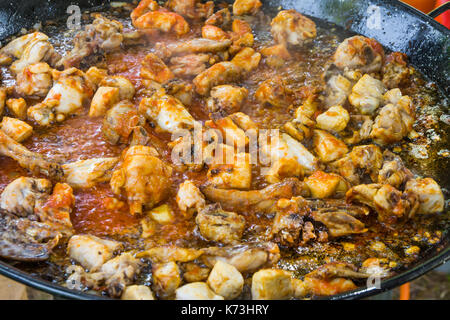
x=218, y=225
x=192, y=9
x=393, y=171
x=189, y=65
x=396, y=71
x=339, y=223
x=221, y=18
x=198, y=45
x=288, y=222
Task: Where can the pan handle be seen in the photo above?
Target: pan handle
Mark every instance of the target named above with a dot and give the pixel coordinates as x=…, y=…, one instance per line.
x=439, y=10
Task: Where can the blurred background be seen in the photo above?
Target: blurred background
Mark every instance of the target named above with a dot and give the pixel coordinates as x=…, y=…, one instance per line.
x=434, y=285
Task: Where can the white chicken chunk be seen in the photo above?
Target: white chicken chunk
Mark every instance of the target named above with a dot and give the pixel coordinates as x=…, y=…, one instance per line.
x=196, y=291
x=287, y=147
x=247, y=59
x=272, y=284
x=65, y=98
x=324, y=185
x=359, y=53
x=29, y=49
x=189, y=198
x=137, y=292
x=104, y=98
x=337, y=91
x=367, y=95
x=21, y=196
x=220, y=73
x=96, y=75
x=235, y=175
x=16, y=129
x=87, y=173
x=126, y=88
x=90, y=251
x=168, y=112
x=327, y=147
x=283, y=168
x=226, y=99
x=334, y=119
x=218, y=225
x=166, y=279
x=226, y=280
x=394, y=121
x=291, y=27
x=35, y=80
x=143, y=178
x=431, y=199
x=18, y=107
x=242, y=7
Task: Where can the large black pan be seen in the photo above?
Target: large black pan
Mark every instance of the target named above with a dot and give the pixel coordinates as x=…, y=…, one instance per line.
x=395, y=25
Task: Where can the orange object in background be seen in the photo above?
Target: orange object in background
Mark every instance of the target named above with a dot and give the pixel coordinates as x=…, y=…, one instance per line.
x=405, y=291
x=423, y=5
x=445, y=17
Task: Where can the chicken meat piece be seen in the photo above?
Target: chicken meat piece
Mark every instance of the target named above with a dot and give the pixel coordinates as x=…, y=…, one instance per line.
x=226, y=280
x=21, y=196
x=153, y=68
x=171, y=253
x=272, y=284
x=30, y=49
x=189, y=198
x=244, y=7
x=246, y=258
x=35, y=80
x=284, y=168
x=192, y=9
x=337, y=90
x=126, y=88
x=2, y=100
x=87, y=173
x=390, y=204
x=101, y=36
x=196, y=45
x=189, y=65
x=339, y=223
x=221, y=18
x=335, y=119
x=236, y=174
x=394, y=122
x=337, y=269
x=220, y=73
x=67, y=96
x=196, y=291
x=214, y=33
x=55, y=210
x=166, y=279
x=243, y=121
x=431, y=198
x=32, y=161
x=152, y=20
x=104, y=98
x=90, y=251
x=264, y=198
x=273, y=92
x=288, y=222
x=17, y=107
x=226, y=99
x=359, y=53
x=291, y=27
x=365, y=158
x=325, y=185
x=143, y=177
x=168, y=112
x=119, y=272
x=120, y=122
x=220, y=226
x=247, y=59
x=96, y=75
x=327, y=147
x=393, y=171
x=17, y=129
x=24, y=240
x=137, y=292
x=276, y=56
x=396, y=71
x=367, y=95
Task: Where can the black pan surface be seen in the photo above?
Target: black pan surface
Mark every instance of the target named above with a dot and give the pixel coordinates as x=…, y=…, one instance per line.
x=401, y=28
